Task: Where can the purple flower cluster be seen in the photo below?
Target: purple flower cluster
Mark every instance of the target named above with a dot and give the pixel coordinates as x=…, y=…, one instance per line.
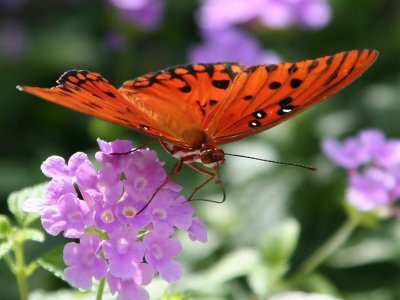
x=278, y=14
x=218, y=22
x=145, y=13
x=231, y=44
x=373, y=163
x=118, y=239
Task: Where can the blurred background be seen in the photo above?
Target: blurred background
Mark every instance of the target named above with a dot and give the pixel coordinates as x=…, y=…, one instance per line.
x=122, y=39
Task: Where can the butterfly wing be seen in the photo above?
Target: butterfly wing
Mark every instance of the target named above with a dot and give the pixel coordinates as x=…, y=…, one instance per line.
x=195, y=90
x=269, y=94
x=92, y=94
x=193, y=104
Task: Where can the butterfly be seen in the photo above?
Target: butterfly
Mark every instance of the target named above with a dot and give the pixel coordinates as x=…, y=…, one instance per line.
x=194, y=109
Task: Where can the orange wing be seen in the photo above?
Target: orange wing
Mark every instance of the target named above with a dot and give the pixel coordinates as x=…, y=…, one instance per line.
x=92, y=94
x=191, y=104
x=194, y=91
x=269, y=94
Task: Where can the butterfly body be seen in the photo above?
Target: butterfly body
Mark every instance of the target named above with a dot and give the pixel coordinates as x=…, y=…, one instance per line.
x=194, y=109
x=207, y=154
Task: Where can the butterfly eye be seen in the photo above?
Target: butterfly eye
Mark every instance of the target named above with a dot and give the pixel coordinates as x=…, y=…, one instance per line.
x=212, y=157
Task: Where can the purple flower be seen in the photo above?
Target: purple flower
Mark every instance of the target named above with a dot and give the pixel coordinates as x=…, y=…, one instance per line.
x=168, y=210
x=217, y=14
x=230, y=44
x=124, y=252
x=84, y=262
x=371, y=189
x=130, y=288
x=350, y=154
x=145, y=13
x=68, y=215
x=160, y=251
x=106, y=181
x=130, y=204
x=373, y=163
x=55, y=166
x=56, y=188
x=312, y=14
x=144, y=173
x=197, y=231
x=116, y=153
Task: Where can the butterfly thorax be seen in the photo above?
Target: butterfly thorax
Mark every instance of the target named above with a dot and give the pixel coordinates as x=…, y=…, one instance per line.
x=207, y=154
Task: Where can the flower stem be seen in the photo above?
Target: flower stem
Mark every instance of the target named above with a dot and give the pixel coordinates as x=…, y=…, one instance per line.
x=20, y=270
x=330, y=246
x=100, y=289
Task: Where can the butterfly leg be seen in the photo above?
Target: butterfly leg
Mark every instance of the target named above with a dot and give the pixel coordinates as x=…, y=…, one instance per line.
x=144, y=145
x=211, y=175
x=175, y=171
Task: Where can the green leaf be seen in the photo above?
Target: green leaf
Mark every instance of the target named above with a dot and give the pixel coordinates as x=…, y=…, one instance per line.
x=176, y=296
x=280, y=242
x=5, y=247
x=259, y=281
x=317, y=283
x=29, y=234
x=53, y=262
x=5, y=226
x=231, y=266
x=16, y=199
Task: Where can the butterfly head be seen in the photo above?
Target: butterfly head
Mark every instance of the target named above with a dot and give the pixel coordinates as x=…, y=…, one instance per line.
x=212, y=157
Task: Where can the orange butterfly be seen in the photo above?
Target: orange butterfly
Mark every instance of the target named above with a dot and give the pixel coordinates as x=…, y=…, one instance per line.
x=193, y=109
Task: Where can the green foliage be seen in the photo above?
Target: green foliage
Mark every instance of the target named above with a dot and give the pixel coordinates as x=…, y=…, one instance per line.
x=16, y=200
x=53, y=262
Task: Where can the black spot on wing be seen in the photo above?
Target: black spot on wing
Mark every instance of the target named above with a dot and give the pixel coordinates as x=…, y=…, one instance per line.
x=221, y=84
x=271, y=68
x=292, y=69
x=186, y=89
x=108, y=93
x=248, y=97
x=313, y=65
x=274, y=85
x=295, y=83
x=285, y=106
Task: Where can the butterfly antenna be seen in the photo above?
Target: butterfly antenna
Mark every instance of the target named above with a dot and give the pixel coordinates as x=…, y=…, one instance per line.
x=310, y=168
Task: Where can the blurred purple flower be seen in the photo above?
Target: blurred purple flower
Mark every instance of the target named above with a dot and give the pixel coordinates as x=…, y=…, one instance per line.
x=371, y=189
x=145, y=13
x=114, y=201
x=12, y=4
x=216, y=14
x=312, y=14
x=13, y=40
x=114, y=40
x=197, y=231
x=373, y=163
x=230, y=44
x=350, y=154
